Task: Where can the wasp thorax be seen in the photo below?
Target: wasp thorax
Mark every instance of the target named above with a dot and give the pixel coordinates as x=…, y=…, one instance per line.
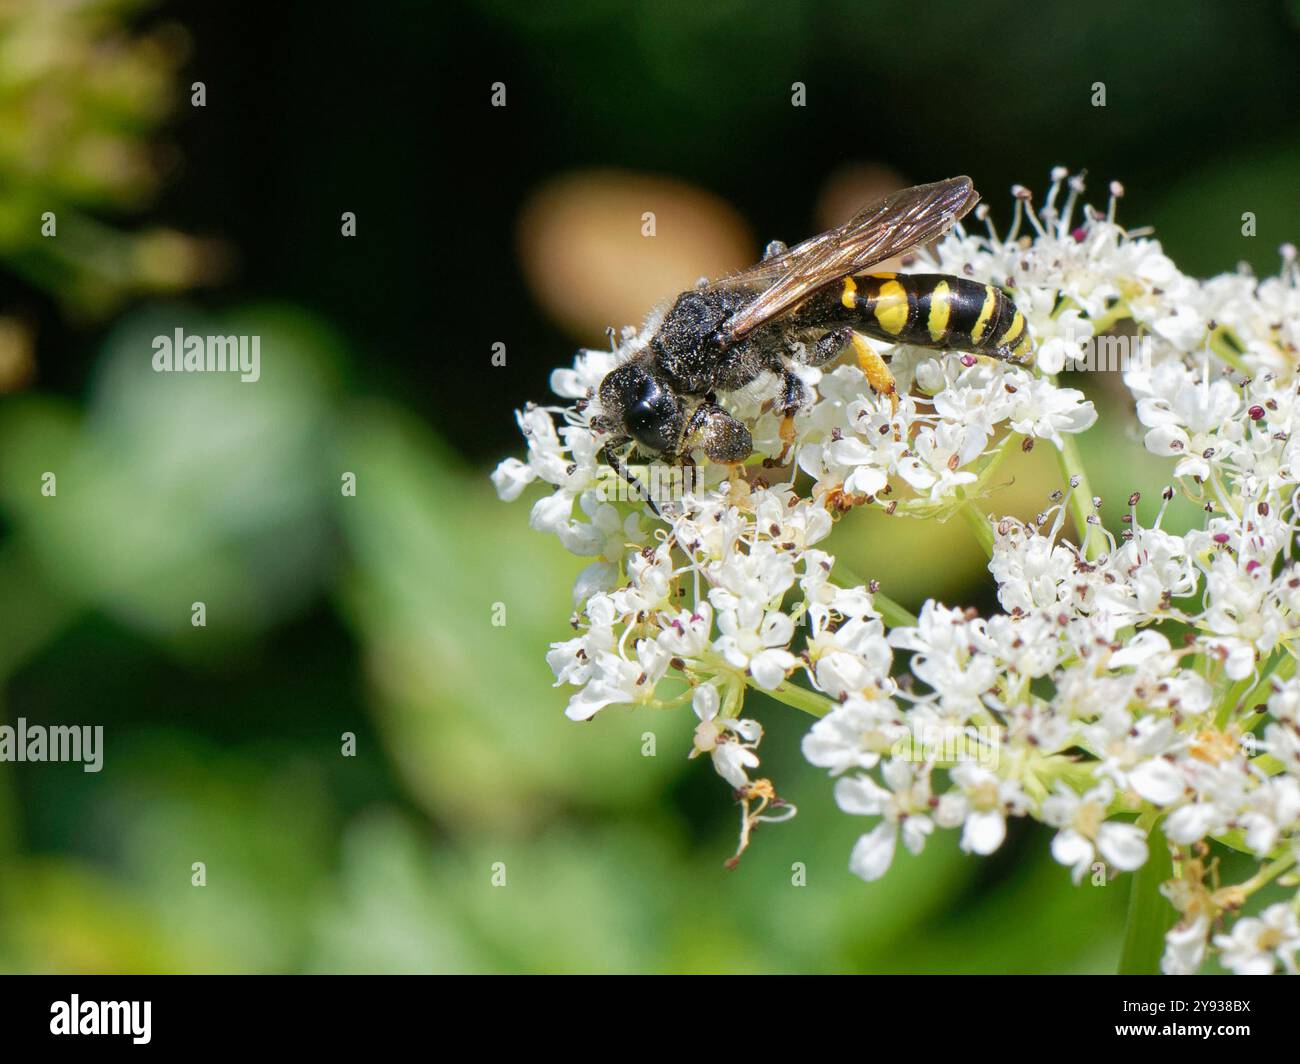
x=692, y=323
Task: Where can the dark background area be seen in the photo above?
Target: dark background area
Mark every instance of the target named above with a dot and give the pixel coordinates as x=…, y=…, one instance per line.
x=315, y=109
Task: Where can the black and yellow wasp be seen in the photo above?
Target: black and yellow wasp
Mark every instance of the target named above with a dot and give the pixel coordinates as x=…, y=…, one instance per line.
x=803, y=305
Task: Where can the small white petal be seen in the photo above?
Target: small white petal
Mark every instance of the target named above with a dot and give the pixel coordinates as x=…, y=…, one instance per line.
x=598, y=576
x=1071, y=848
x=769, y=668
x=1123, y=845
x=1191, y=823
x=861, y=795
x=873, y=853
x=511, y=477
x=984, y=832
x=551, y=513
x=704, y=700
x=730, y=760
x=1158, y=781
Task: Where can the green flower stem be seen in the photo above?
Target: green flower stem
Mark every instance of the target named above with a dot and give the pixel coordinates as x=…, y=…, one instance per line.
x=1071, y=465
x=979, y=525
x=1149, y=914
x=796, y=697
x=1226, y=346
x=1118, y=312
x=1282, y=668
x=1269, y=873
x=893, y=614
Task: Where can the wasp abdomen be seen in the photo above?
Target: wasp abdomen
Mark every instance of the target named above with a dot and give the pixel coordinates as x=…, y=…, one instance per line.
x=935, y=310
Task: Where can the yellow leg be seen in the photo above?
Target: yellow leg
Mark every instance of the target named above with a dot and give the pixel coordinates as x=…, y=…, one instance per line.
x=878, y=375
x=787, y=438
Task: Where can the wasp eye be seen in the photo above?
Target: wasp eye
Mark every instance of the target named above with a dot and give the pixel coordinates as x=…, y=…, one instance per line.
x=654, y=415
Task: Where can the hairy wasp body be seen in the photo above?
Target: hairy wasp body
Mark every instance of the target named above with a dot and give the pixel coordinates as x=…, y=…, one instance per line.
x=803, y=305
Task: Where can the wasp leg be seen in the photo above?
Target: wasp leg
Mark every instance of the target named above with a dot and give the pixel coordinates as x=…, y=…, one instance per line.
x=827, y=346
x=793, y=397
x=793, y=394
x=878, y=375
x=723, y=438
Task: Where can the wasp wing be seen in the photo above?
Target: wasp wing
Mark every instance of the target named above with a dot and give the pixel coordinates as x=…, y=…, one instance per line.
x=763, y=274
x=878, y=232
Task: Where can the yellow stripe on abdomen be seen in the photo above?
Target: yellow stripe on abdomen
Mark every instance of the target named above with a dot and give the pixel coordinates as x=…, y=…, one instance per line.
x=849, y=297
x=891, y=307
x=1011, y=337
x=940, y=310
x=1024, y=347
x=986, y=312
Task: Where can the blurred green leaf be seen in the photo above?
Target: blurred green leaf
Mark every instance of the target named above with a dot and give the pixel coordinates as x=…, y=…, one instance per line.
x=468, y=708
x=182, y=487
x=565, y=902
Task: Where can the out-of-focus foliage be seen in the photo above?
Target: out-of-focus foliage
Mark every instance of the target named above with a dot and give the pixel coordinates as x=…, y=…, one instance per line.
x=80, y=98
x=459, y=696
x=173, y=480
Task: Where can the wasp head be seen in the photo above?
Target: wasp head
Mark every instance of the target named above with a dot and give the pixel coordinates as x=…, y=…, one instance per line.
x=642, y=406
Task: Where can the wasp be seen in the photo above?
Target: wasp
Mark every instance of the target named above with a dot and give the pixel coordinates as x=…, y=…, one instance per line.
x=802, y=305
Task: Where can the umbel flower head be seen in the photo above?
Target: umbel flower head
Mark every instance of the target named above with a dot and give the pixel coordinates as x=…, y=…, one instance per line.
x=1136, y=694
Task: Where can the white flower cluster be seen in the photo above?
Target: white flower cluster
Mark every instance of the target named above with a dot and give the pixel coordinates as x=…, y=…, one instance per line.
x=1133, y=693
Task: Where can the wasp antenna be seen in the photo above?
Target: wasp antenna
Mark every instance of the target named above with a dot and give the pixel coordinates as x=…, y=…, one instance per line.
x=621, y=470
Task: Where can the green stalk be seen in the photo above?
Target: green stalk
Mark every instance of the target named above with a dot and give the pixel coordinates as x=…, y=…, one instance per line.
x=979, y=525
x=796, y=697
x=1270, y=872
x=1228, y=349
x=892, y=613
x=1071, y=464
x=1281, y=668
x=1149, y=914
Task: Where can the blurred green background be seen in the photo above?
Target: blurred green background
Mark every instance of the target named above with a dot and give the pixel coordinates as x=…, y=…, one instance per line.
x=372, y=614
